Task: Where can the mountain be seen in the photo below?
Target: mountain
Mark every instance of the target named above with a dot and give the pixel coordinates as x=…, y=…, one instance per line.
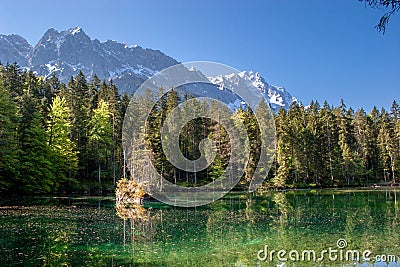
x=67, y=52
x=14, y=48
x=277, y=96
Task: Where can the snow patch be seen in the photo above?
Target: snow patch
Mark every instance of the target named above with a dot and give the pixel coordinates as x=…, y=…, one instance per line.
x=75, y=30
x=277, y=96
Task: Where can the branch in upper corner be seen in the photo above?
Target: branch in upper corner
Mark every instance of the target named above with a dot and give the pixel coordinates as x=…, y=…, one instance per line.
x=392, y=5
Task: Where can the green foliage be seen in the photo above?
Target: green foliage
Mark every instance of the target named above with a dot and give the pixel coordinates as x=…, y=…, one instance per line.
x=46, y=133
x=55, y=137
x=8, y=141
x=100, y=128
x=335, y=147
x=59, y=132
x=100, y=134
x=37, y=171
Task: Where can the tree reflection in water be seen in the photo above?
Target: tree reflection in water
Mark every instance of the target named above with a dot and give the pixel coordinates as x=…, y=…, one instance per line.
x=128, y=204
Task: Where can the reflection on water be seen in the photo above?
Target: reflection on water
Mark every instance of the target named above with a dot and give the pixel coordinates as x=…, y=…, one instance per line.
x=229, y=232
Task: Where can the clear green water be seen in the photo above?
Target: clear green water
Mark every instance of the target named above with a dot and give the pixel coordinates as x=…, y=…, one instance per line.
x=229, y=232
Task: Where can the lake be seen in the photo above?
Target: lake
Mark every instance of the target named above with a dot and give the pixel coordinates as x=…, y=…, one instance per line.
x=301, y=228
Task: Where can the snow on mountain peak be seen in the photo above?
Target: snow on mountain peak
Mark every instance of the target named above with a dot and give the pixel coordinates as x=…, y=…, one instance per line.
x=68, y=52
x=75, y=30
x=277, y=96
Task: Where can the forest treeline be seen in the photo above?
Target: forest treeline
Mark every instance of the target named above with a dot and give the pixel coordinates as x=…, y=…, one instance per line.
x=57, y=137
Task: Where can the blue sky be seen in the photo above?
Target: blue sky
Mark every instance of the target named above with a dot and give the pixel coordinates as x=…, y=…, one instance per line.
x=316, y=49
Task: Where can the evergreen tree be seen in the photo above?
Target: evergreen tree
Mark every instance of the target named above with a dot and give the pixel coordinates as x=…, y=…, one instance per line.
x=387, y=146
x=100, y=135
x=374, y=119
x=59, y=132
x=364, y=146
x=171, y=102
x=282, y=151
x=343, y=121
x=8, y=139
x=79, y=102
x=328, y=144
x=37, y=173
x=314, y=139
x=220, y=137
x=395, y=114
x=53, y=85
x=13, y=79
x=253, y=133
x=113, y=99
x=50, y=131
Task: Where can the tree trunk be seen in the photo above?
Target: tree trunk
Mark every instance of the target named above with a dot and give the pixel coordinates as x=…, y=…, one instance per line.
x=114, y=174
x=99, y=172
x=392, y=163
x=124, y=166
x=174, y=175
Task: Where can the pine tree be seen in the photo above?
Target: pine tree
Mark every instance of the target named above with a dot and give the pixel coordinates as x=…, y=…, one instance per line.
x=48, y=130
x=93, y=94
x=100, y=134
x=253, y=132
x=314, y=137
x=113, y=99
x=37, y=172
x=283, y=151
x=364, y=144
x=395, y=114
x=297, y=139
x=59, y=132
x=123, y=107
x=222, y=144
x=171, y=102
x=79, y=102
x=374, y=120
x=386, y=143
x=13, y=80
x=344, y=140
x=328, y=141
x=8, y=140
x=54, y=86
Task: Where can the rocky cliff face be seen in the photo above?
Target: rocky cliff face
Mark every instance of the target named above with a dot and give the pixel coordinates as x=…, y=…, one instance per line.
x=277, y=96
x=14, y=48
x=67, y=52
